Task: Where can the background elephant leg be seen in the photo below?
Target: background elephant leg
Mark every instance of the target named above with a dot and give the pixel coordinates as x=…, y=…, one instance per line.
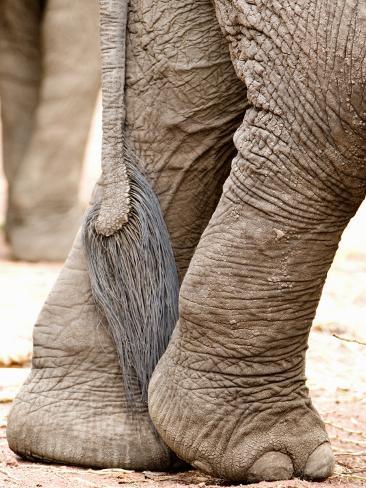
x=229, y=394
x=44, y=199
x=20, y=74
x=183, y=103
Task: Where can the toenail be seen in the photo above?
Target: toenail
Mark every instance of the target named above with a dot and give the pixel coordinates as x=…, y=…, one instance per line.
x=272, y=466
x=320, y=463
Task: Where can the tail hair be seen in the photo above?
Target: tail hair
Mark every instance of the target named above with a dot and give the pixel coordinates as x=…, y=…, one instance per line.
x=134, y=282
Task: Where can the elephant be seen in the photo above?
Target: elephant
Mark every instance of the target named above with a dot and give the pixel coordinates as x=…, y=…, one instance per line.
x=247, y=119
x=49, y=83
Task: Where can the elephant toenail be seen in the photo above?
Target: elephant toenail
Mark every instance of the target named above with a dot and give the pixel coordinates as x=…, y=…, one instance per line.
x=272, y=466
x=320, y=463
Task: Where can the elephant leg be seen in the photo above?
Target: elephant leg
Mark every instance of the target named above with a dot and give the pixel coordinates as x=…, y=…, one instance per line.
x=229, y=394
x=20, y=75
x=44, y=202
x=182, y=113
x=184, y=101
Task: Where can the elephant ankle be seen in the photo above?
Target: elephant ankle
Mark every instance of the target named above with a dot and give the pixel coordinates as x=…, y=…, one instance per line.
x=242, y=425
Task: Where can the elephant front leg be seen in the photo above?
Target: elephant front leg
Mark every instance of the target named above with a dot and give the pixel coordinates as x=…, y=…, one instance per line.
x=229, y=395
x=20, y=78
x=44, y=199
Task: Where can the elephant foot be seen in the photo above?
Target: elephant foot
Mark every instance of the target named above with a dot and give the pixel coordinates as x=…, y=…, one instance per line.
x=72, y=409
x=217, y=423
x=229, y=394
x=43, y=237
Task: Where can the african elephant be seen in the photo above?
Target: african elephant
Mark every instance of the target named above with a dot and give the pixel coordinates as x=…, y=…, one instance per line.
x=49, y=81
x=254, y=225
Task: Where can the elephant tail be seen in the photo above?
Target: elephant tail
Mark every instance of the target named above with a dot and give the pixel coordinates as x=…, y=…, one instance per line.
x=129, y=256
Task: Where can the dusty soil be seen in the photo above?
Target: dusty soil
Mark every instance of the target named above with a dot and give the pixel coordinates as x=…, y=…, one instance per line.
x=336, y=368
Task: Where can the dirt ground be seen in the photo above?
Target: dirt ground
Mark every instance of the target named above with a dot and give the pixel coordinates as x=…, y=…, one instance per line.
x=336, y=368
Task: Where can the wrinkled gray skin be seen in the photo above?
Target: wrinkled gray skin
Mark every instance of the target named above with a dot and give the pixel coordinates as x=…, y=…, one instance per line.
x=229, y=394
x=49, y=80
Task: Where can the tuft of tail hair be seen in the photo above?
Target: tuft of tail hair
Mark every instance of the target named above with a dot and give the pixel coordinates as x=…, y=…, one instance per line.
x=129, y=256
x=134, y=281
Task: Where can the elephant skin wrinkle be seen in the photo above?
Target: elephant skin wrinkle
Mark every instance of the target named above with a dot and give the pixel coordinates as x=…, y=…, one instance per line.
x=229, y=394
x=180, y=127
x=248, y=120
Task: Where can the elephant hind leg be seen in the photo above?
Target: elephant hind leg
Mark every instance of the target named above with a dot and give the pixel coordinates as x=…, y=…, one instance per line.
x=229, y=395
x=72, y=408
x=183, y=104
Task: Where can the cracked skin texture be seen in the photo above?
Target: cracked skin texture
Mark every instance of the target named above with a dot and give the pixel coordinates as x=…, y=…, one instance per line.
x=72, y=409
x=184, y=102
x=229, y=394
